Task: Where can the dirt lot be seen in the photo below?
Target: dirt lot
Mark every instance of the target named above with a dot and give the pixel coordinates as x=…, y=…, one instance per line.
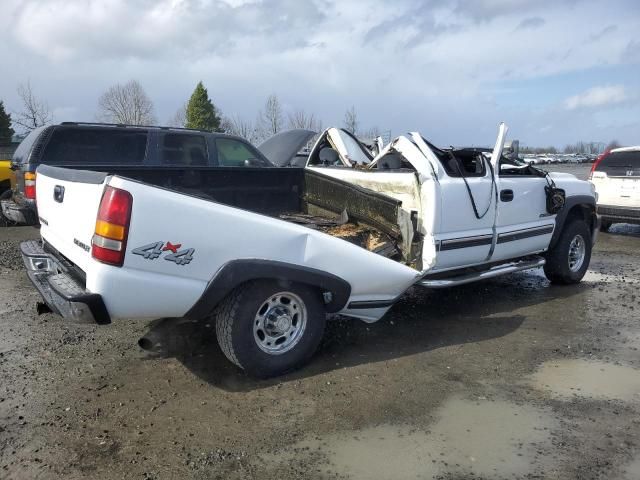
x=511, y=378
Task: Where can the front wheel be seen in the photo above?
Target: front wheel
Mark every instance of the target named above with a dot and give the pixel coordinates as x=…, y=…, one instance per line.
x=270, y=327
x=568, y=260
x=605, y=225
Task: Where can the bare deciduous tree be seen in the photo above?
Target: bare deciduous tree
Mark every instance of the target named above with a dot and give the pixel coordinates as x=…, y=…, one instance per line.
x=351, y=121
x=271, y=119
x=127, y=104
x=242, y=128
x=179, y=118
x=35, y=112
x=300, y=119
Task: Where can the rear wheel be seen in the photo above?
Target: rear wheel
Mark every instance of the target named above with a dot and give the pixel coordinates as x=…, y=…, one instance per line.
x=568, y=260
x=270, y=327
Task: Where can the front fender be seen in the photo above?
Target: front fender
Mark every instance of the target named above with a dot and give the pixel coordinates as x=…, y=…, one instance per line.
x=582, y=206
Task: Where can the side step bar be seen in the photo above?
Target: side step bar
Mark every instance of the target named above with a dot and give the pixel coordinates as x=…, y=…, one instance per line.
x=476, y=276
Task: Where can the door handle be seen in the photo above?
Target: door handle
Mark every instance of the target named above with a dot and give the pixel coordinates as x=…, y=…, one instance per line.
x=506, y=195
x=58, y=193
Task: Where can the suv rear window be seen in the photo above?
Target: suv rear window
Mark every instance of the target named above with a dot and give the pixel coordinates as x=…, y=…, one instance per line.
x=96, y=146
x=183, y=149
x=619, y=164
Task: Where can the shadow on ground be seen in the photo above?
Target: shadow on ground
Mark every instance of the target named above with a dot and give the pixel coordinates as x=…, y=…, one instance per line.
x=421, y=321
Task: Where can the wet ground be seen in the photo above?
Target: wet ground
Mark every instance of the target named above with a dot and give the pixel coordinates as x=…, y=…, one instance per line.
x=511, y=378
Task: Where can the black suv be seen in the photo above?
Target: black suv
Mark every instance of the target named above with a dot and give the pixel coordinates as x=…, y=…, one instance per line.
x=181, y=159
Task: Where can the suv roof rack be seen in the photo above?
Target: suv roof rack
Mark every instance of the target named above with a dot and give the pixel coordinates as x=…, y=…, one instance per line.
x=100, y=124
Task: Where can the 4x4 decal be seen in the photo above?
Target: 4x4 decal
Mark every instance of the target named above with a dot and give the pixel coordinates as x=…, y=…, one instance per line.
x=154, y=250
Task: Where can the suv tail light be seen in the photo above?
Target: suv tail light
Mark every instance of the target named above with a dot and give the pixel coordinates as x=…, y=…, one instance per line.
x=112, y=227
x=598, y=160
x=30, y=185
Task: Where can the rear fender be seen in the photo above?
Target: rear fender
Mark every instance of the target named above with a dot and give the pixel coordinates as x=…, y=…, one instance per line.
x=237, y=272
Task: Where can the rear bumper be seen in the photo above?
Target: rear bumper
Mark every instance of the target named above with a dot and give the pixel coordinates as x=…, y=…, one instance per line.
x=615, y=214
x=61, y=290
x=22, y=214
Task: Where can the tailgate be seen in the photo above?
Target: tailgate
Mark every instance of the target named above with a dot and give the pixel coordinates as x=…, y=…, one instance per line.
x=68, y=202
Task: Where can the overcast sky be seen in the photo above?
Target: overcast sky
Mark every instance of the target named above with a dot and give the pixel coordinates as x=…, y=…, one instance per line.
x=556, y=71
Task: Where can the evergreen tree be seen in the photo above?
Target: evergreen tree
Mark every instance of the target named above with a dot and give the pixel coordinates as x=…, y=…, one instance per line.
x=6, y=132
x=201, y=113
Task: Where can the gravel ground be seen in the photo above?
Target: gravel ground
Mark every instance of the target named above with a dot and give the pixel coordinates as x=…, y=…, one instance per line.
x=510, y=378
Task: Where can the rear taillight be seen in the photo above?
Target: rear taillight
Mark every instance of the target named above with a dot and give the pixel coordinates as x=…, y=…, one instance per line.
x=112, y=227
x=598, y=160
x=30, y=185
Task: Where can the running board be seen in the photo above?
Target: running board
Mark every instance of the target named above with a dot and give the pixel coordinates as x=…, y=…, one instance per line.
x=491, y=273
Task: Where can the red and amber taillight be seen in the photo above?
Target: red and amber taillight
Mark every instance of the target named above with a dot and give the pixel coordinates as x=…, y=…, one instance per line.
x=30, y=185
x=598, y=160
x=112, y=227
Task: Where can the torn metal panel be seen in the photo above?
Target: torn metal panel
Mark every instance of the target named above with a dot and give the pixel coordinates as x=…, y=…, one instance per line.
x=333, y=194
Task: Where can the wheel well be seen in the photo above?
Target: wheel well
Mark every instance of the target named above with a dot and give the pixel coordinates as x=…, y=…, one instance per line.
x=283, y=281
x=579, y=207
x=584, y=213
x=237, y=272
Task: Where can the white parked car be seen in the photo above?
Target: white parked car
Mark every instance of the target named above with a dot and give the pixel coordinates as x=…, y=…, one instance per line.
x=616, y=177
x=351, y=241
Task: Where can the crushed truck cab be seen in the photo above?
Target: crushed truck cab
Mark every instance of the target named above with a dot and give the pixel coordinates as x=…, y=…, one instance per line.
x=269, y=262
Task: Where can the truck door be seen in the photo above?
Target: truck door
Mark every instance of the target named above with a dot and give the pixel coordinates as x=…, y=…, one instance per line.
x=523, y=225
x=465, y=231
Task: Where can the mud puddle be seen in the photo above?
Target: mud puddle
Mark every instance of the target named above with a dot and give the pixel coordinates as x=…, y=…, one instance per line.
x=493, y=439
x=587, y=378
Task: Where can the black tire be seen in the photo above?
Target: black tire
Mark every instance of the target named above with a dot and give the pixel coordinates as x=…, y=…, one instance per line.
x=557, y=268
x=4, y=221
x=605, y=225
x=236, y=318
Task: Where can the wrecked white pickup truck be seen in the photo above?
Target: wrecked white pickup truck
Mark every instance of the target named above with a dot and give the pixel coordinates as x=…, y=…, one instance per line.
x=315, y=241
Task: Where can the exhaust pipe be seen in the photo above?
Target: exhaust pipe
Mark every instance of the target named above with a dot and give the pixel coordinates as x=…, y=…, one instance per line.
x=150, y=343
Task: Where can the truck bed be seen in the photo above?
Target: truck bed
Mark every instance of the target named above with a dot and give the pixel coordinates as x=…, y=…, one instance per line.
x=360, y=234
x=341, y=209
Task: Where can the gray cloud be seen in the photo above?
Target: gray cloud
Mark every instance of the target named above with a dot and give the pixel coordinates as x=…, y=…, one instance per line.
x=405, y=65
x=530, y=23
x=603, y=33
x=487, y=10
x=631, y=53
x=150, y=28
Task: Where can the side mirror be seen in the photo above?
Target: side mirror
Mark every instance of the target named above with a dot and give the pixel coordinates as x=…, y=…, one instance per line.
x=252, y=162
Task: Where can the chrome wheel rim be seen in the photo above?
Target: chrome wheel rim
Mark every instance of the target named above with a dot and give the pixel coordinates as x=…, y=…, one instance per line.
x=577, y=252
x=280, y=323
